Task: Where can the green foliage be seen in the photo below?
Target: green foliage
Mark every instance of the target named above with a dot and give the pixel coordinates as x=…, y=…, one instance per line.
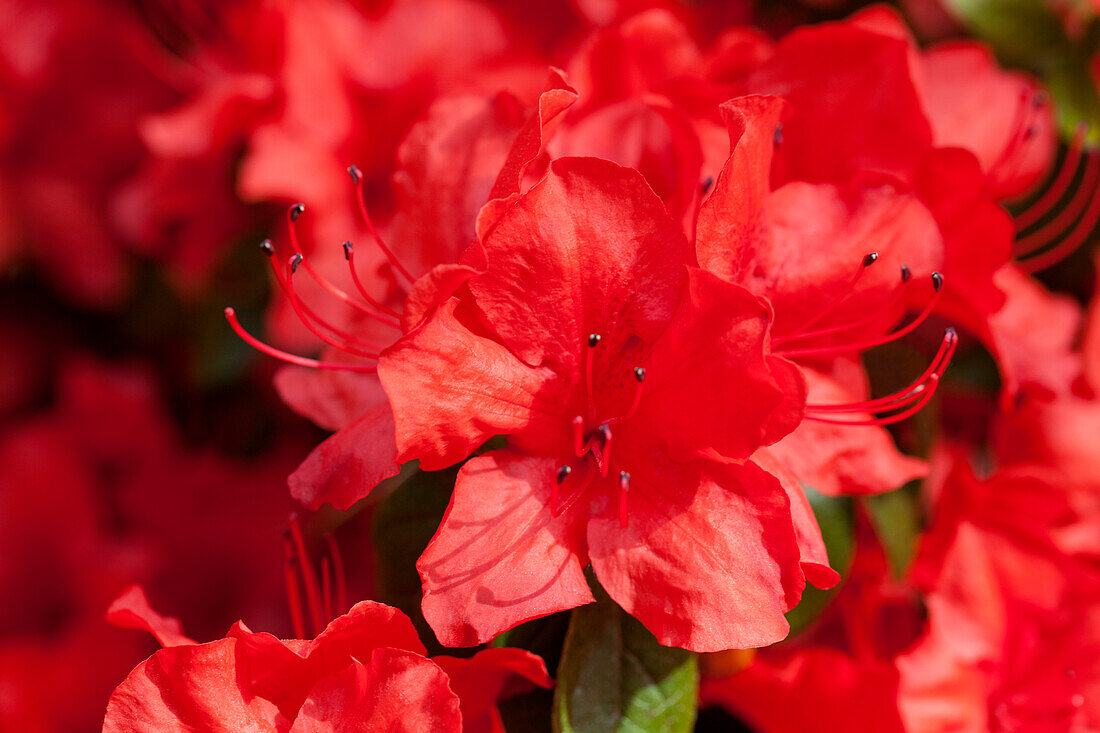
x=1028, y=34
x=615, y=677
x=896, y=519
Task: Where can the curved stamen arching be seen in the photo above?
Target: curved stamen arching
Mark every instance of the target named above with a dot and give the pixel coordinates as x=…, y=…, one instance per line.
x=341, y=579
x=349, y=255
x=868, y=260
x=231, y=316
x=291, y=268
x=1083, y=222
x=937, y=286
x=268, y=249
x=1059, y=184
x=892, y=400
x=909, y=400
x=875, y=314
x=357, y=182
x=309, y=577
x=293, y=594
x=292, y=215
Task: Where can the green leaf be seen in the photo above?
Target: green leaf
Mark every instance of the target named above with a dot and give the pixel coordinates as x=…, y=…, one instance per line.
x=615, y=677
x=1028, y=34
x=1022, y=32
x=896, y=519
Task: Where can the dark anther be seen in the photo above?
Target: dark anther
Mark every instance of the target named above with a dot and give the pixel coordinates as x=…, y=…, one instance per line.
x=639, y=373
x=563, y=473
x=951, y=334
x=1040, y=98
x=624, y=480
x=347, y=250
x=869, y=259
x=905, y=274
x=294, y=262
x=267, y=247
x=296, y=211
x=593, y=340
x=355, y=174
x=937, y=281
x=777, y=136
x=705, y=185
x=605, y=433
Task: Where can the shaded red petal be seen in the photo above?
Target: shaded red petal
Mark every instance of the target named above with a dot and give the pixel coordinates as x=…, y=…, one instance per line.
x=432, y=290
x=489, y=676
x=499, y=557
x=131, y=610
x=331, y=398
x=811, y=689
x=709, y=559
x=974, y=104
x=446, y=167
x=394, y=691
x=589, y=249
x=451, y=390
x=855, y=104
x=347, y=466
x=801, y=278
x=188, y=688
x=709, y=385
x=731, y=219
x=811, y=546
x=528, y=144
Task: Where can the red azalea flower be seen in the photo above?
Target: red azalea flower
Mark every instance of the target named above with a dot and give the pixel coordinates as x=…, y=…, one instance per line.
x=366, y=670
x=1013, y=638
x=438, y=206
x=610, y=365
x=831, y=304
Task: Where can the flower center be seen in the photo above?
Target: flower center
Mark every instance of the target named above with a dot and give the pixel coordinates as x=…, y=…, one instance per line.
x=593, y=437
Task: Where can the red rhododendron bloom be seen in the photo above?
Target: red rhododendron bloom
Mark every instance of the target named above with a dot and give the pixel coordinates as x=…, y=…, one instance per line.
x=611, y=366
x=365, y=671
x=1013, y=637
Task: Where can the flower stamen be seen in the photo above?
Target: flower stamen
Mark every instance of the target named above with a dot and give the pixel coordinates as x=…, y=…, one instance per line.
x=357, y=182
x=231, y=317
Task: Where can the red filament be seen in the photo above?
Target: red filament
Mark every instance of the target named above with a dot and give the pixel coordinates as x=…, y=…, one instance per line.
x=231, y=316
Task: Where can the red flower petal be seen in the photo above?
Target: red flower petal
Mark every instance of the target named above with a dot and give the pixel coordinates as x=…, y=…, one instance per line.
x=710, y=386
x=489, y=676
x=131, y=610
x=395, y=691
x=731, y=219
x=499, y=557
x=856, y=107
x=191, y=687
x=811, y=546
x=452, y=390
x=709, y=559
x=347, y=466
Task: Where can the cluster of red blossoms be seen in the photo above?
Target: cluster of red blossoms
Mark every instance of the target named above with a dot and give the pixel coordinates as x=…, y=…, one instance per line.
x=615, y=325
